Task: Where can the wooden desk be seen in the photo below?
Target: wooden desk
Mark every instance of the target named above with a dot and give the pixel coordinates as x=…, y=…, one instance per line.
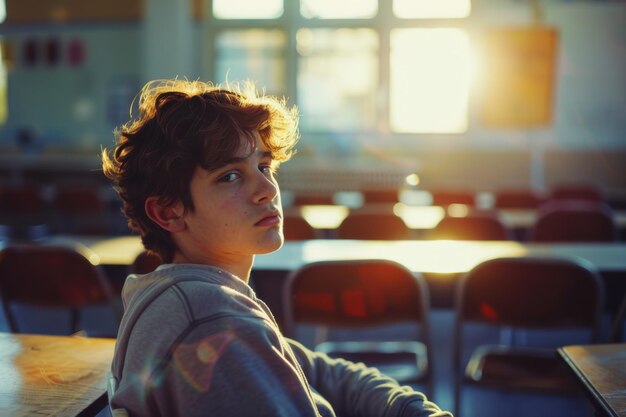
x=53, y=375
x=601, y=370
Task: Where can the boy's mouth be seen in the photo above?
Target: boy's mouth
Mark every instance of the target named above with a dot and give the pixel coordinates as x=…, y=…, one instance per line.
x=269, y=220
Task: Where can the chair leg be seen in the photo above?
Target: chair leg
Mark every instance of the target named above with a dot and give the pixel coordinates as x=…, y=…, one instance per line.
x=618, y=322
x=9, y=317
x=75, y=320
x=457, y=398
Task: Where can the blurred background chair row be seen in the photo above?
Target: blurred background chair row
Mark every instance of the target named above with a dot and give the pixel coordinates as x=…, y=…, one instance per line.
x=503, y=198
x=511, y=313
x=29, y=210
x=556, y=221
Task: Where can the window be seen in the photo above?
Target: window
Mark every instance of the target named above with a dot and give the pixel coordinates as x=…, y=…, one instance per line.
x=247, y=9
x=352, y=66
x=431, y=9
x=254, y=54
x=338, y=9
x=337, y=79
x=429, y=80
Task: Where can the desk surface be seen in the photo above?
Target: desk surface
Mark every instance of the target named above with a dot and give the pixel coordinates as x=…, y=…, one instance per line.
x=52, y=375
x=417, y=255
x=601, y=369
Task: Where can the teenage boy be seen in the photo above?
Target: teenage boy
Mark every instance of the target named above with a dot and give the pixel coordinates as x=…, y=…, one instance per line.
x=196, y=173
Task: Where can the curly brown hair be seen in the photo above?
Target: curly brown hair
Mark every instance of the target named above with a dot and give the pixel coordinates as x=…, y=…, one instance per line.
x=181, y=125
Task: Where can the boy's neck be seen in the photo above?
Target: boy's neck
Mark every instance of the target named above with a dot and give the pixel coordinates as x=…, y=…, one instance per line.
x=240, y=268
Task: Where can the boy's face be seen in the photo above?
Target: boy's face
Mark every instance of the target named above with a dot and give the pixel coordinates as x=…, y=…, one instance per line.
x=237, y=211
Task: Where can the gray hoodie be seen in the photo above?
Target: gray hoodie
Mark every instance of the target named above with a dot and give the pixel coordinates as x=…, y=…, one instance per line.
x=196, y=341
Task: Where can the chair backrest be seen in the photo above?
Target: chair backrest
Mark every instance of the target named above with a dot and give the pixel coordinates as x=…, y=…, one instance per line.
x=145, y=262
x=78, y=199
x=574, y=221
x=25, y=210
x=471, y=227
x=296, y=228
x=518, y=198
x=530, y=294
x=373, y=226
x=445, y=197
x=577, y=191
x=51, y=277
x=380, y=196
x=79, y=209
x=355, y=293
x=306, y=199
x=22, y=199
x=533, y=293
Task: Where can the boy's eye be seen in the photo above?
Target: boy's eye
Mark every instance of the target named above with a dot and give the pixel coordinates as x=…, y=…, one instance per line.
x=267, y=169
x=229, y=177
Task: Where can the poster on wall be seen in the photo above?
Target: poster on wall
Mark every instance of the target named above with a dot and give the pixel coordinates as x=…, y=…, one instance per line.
x=519, y=77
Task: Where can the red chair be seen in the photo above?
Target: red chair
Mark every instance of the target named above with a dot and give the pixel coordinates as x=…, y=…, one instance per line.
x=52, y=277
x=311, y=199
x=296, y=228
x=380, y=196
x=574, y=221
x=518, y=199
x=475, y=226
x=358, y=299
x=24, y=209
x=79, y=210
x=577, y=191
x=373, y=226
x=518, y=296
x=445, y=197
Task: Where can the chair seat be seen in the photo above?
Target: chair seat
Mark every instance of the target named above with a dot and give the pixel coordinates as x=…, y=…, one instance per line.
x=406, y=362
x=525, y=369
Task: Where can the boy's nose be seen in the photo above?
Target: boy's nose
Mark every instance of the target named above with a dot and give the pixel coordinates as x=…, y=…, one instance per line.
x=267, y=189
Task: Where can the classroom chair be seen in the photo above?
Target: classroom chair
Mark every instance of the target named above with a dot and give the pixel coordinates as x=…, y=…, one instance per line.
x=519, y=296
x=373, y=226
x=474, y=226
x=53, y=277
x=356, y=301
x=574, y=221
x=295, y=227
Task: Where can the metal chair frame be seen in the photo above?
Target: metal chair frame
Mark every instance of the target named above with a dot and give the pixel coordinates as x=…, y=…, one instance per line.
x=526, y=294
x=364, y=294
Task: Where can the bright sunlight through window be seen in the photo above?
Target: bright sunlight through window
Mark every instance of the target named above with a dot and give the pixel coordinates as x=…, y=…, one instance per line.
x=431, y=70
x=431, y=9
x=338, y=9
x=247, y=9
x=255, y=54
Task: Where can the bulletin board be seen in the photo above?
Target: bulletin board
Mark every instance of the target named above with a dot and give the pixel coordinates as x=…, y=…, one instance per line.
x=519, y=77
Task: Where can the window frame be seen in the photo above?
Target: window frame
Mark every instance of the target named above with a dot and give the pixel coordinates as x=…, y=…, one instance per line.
x=291, y=21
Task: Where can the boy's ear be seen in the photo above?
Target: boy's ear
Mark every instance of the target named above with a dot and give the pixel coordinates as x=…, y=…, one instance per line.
x=169, y=218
